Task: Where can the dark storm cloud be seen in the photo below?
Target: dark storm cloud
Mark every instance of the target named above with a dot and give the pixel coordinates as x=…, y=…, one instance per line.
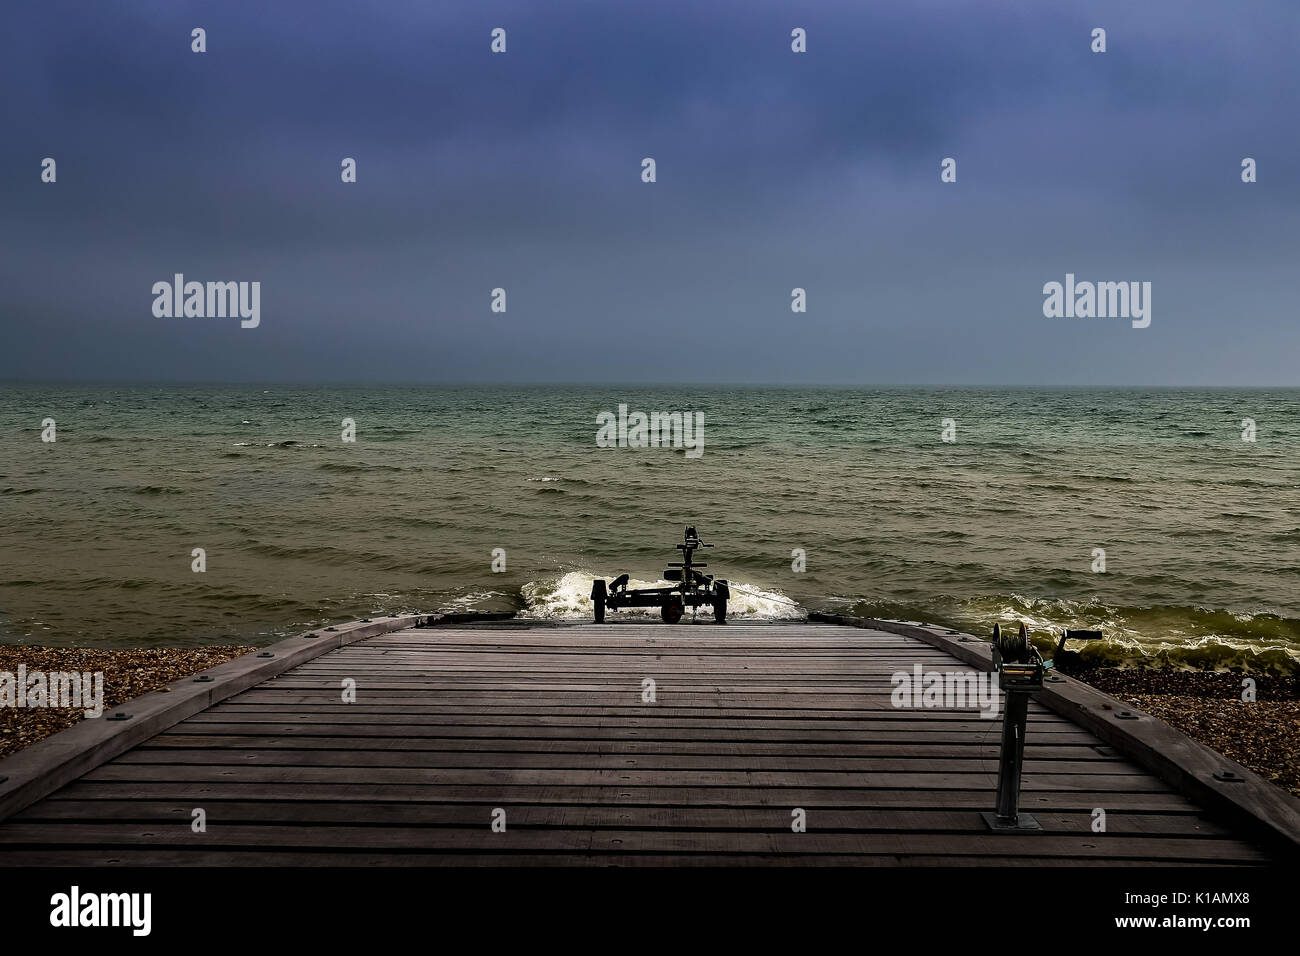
x=775, y=171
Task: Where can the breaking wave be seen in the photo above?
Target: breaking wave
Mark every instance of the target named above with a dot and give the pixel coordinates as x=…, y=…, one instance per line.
x=1160, y=636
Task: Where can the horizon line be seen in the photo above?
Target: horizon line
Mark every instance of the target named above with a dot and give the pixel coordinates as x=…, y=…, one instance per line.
x=488, y=383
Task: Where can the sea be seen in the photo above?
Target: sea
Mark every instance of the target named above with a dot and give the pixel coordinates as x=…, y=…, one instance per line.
x=1167, y=518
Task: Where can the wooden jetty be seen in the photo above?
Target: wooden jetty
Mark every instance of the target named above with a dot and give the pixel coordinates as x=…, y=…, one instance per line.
x=549, y=729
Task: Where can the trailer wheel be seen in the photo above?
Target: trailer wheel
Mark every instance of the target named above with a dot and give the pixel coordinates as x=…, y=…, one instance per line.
x=598, y=599
x=672, y=610
x=720, y=610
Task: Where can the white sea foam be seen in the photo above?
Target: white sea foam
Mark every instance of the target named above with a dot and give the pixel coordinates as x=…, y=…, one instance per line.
x=570, y=597
x=469, y=601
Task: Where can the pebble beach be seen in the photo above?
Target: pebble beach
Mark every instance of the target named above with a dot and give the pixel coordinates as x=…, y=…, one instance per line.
x=127, y=674
x=1208, y=707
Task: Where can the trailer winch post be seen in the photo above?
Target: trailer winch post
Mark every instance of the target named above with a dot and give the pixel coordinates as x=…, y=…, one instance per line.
x=1019, y=667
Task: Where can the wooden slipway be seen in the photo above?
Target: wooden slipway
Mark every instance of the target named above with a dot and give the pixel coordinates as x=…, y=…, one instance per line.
x=458, y=722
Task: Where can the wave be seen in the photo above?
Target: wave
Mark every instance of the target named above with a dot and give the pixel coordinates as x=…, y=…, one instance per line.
x=148, y=489
x=1151, y=636
x=347, y=468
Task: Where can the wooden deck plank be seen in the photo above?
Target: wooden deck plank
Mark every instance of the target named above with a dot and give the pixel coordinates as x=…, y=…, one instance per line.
x=165, y=857
x=601, y=816
x=853, y=722
x=749, y=722
x=939, y=780
x=584, y=839
x=615, y=743
x=492, y=758
x=524, y=727
x=519, y=795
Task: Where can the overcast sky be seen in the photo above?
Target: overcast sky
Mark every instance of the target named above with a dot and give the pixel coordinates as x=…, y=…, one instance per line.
x=775, y=170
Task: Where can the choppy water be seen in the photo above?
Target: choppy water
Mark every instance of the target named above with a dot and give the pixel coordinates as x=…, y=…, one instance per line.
x=1201, y=530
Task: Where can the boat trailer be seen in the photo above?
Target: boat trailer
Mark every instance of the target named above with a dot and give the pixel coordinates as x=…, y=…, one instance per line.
x=693, y=589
